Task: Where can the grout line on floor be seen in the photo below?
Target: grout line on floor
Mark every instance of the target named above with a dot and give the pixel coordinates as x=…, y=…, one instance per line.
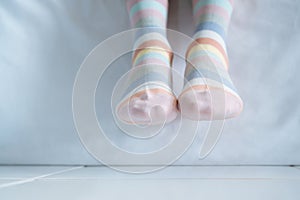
x=28, y=180
x=168, y=178
x=42, y=165
x=177, y=165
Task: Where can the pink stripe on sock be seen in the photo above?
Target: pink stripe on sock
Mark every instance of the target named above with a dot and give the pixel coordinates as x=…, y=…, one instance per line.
x=231, y=2
x=145, y=13
x=212, y=9
x=195, y=1
x=164, y=2
x=130, y=3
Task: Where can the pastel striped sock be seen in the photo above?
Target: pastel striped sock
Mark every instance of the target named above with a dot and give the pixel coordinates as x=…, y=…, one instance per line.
x=209, y=92
x=149, y=98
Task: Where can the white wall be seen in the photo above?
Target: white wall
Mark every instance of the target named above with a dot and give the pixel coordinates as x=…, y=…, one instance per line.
x=42, y=44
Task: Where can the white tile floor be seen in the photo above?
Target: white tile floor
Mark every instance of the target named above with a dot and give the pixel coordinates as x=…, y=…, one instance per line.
x=23, y=172
x=6, y=181
x=180, y=182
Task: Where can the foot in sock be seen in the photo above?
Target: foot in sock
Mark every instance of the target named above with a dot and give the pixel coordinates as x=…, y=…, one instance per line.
x=209, y=93
x=149, y=98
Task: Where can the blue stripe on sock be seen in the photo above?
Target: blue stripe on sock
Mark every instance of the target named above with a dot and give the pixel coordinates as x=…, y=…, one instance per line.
x=212, y=26
x=210, y=75
x=222, y=3
x=149, y=77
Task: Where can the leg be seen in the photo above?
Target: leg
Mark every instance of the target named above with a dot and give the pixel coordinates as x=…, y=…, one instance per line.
x=209, y=92
x=149, y=99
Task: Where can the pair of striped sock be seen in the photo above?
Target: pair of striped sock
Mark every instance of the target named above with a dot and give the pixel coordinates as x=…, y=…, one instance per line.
x=208, y=93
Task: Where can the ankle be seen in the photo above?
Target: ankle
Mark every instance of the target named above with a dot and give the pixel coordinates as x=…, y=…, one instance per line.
x=152, y=47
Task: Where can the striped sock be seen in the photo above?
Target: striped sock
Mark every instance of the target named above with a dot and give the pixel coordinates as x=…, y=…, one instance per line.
x=149, y=98
x=209, y=92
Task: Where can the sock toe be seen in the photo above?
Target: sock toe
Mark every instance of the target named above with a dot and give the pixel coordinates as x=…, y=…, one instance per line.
x=150, y=107
x=213, y=104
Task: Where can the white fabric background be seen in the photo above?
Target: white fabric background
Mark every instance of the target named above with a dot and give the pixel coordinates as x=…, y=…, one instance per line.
x=42, y=44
